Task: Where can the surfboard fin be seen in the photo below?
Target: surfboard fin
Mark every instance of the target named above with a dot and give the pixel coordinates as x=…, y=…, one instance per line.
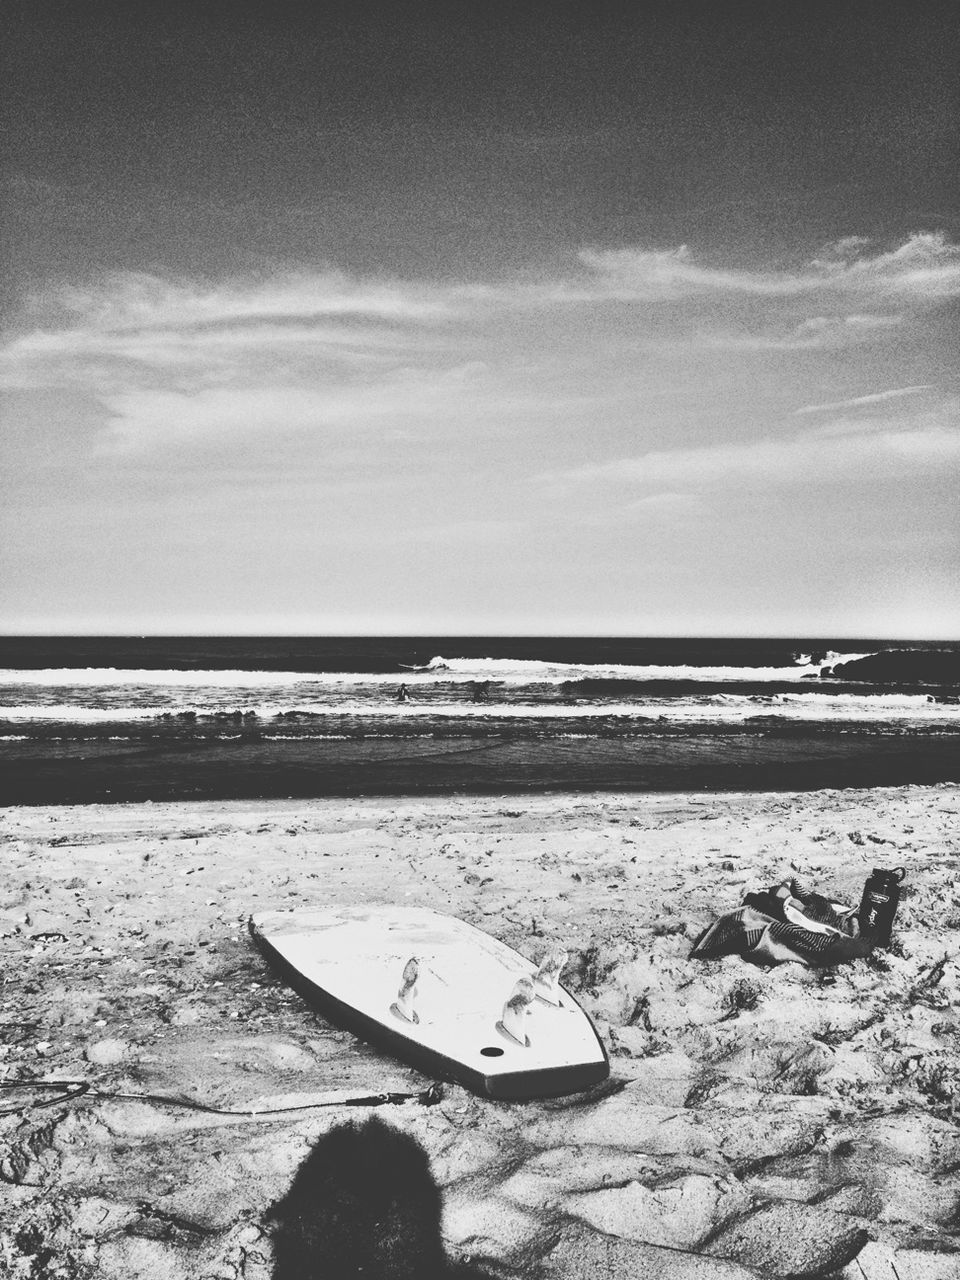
x=403, y=1006
x=515, y=1011
x=546, y=984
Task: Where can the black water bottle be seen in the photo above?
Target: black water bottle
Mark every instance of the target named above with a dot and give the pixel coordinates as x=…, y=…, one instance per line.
x=878, y=905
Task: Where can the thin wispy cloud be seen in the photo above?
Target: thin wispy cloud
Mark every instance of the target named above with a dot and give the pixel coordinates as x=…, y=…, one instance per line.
x=132, y=332
x=878, y=449
x=925, y=266
x=134, y=300
x=875, y=397
x=663, y=511
x=402, y=405
x=815, y=333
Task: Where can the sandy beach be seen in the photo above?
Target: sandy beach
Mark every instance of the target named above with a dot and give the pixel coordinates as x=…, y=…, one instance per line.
x=171, y=1110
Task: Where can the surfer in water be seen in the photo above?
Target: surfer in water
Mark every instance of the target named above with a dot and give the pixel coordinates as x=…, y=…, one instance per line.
x=402, y=694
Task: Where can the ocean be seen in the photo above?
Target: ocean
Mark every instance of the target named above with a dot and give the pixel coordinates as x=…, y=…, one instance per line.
x=158, y=718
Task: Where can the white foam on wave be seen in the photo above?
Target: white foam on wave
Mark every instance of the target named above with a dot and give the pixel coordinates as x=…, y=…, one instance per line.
x=439, y=669
x=79, y=715
x=535, y=671
x=840, y=700
x=110, y=677
x=722, y=709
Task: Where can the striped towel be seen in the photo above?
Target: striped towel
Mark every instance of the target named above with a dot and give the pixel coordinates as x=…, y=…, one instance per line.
x=805, y=908
x=762, y=938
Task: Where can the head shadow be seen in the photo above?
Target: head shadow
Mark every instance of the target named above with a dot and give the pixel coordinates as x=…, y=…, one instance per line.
x=364, y=1203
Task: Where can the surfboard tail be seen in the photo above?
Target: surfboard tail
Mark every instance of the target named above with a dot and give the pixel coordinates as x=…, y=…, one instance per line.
x=514, y=1017
x=405, y=1004
x=547, y=981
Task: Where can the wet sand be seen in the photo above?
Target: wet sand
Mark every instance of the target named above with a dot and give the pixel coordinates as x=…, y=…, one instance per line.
x=62, y=763
x=171, y=1109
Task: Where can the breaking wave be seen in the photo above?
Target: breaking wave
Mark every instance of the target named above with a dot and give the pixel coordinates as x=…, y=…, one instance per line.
x=534, y=671
x=718, y=709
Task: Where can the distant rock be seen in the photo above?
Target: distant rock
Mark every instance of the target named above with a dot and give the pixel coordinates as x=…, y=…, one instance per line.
x=903, y=666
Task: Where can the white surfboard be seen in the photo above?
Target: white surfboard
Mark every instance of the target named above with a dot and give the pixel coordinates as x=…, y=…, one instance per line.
x=440, y=994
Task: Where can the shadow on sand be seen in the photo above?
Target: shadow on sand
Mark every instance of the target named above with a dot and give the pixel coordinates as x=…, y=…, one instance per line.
x=364, y=1204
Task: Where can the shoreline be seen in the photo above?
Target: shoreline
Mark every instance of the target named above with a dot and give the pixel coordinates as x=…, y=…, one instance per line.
x=757, y=1123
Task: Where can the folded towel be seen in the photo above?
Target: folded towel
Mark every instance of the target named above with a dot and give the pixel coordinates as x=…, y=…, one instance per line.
x=774, y=926
x=810, y=911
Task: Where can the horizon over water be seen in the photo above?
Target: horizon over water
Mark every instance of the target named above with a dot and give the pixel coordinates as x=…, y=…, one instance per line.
x=113, y=718
x=28, y=634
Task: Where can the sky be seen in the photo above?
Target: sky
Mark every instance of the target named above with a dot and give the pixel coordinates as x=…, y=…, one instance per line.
x=599, y=319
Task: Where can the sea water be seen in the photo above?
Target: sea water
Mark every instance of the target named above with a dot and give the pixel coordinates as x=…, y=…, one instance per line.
x=118, y=718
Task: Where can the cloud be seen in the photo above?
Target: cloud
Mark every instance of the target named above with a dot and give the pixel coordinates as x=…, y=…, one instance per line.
x=102, y=331
x=673, y=273
x=133, y=317
x=925, y=267
x=397, y=406
x=663, y=511
x=836, y=453
x=815, y=333
x=108, y=362
x=876, y=397
x=131, y=332
x=193, y=360
x=132, y=300
x=664, y=504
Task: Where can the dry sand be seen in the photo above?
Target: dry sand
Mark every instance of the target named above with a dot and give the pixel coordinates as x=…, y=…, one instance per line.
x=757, y=1122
